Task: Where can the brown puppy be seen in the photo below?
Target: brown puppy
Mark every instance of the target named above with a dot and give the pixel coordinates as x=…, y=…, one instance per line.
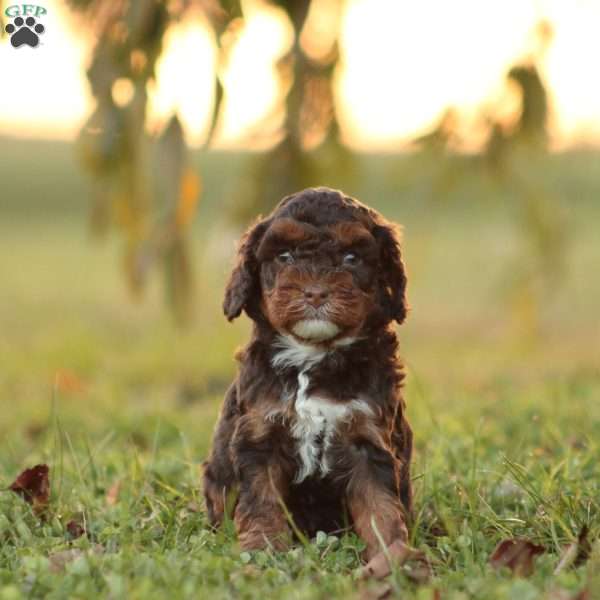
x=314, y=425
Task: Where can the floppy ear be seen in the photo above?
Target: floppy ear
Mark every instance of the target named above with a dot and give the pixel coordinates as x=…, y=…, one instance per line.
x=243, y=289
x=393, y=275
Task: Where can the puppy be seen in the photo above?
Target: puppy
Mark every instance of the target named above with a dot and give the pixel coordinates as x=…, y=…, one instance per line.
x=312, y=434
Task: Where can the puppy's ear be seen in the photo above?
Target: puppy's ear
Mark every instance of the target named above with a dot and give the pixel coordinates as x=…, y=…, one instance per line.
x=393, y=275
x=243, y=289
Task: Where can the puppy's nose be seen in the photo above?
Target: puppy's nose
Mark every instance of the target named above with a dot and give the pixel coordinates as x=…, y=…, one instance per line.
x=316, y=294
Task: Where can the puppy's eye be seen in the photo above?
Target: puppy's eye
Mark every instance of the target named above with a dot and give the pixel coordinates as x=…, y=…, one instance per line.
x=351, y=259
x=285, y=258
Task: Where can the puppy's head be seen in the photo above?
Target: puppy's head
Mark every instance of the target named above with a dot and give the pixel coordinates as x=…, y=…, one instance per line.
x=321, y=268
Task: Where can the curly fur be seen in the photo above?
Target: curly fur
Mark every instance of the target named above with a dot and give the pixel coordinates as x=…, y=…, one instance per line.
x=315, y=418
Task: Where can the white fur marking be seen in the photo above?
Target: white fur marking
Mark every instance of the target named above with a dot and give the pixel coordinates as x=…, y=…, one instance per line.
x=318, y=418
x=316, y=330
x=296, y=354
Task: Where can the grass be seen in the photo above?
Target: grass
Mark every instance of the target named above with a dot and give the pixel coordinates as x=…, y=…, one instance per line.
x=121, y=405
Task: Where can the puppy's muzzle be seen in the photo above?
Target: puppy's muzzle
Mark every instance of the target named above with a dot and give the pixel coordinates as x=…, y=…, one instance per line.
x=316, y=294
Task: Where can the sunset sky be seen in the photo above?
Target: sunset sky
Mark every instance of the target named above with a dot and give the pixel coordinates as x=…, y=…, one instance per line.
x=402, y=65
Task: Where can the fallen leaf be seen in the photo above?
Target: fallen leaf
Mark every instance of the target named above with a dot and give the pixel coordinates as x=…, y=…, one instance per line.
x=112, y=496
x=33, y=486
x=518, y=555
x=414, y=563
x=75, y=529
x=576, y=553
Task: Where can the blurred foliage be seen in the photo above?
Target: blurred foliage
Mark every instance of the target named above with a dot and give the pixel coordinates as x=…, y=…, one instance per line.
x=512, y=156
x=308, y=147
x=511, y=153
x=154, y=215
x=116, y=149
x=115, y=146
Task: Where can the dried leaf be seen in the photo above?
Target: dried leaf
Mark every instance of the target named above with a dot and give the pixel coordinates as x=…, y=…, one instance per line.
x=33, y=485
x=75, y=529
x=518, y=555
x=575, y=553
x=414, y=562
x=189, y=193
x=112, y=496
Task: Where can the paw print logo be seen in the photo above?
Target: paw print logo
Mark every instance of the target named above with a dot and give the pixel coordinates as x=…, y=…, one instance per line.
x=24, y=31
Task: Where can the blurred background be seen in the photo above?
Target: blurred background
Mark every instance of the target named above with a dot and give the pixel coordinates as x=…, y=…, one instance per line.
x=141, y=137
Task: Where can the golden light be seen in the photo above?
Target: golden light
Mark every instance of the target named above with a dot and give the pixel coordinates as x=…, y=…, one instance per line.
x=184, y=74
x=250, y=78
x=571, y=70
x=402, y=65
x=402, y=71
x=122, y=91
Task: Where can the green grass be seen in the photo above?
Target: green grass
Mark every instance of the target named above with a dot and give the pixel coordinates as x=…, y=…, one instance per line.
x=507, y=424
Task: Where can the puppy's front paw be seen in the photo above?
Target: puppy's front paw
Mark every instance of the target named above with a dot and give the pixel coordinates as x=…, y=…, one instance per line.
x=397, y=554
x=259, y=538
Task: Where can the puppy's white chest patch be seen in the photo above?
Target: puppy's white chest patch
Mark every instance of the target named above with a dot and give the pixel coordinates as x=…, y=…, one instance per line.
x=315, y=425
x=316, y=419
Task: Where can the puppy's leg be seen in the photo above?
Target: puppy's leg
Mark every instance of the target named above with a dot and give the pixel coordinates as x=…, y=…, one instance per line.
x=373, y=498
x=402, y=440
x=264, y=476
x=219, y=476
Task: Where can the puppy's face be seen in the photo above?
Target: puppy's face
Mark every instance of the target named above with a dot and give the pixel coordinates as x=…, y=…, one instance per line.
x=322, y=267
x=317, y=284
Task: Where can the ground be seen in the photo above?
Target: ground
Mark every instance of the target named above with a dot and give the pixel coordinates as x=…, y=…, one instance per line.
x=121, y=405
